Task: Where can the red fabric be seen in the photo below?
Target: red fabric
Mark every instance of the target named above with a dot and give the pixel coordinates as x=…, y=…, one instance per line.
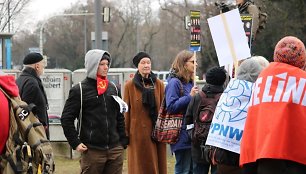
x=7, y=83
x=102, y=84
x=4, y=121
x=276, y=129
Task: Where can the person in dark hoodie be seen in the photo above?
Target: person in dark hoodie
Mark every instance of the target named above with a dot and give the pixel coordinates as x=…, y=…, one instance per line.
x=101, y=134
x=215, y=79
x=31, y=89
x=7, y=84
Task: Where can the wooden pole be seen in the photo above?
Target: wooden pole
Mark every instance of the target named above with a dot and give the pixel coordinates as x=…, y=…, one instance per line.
x=194, y=68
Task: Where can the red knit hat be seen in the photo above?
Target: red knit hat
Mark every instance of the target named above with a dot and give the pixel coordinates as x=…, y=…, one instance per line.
x=290, y=50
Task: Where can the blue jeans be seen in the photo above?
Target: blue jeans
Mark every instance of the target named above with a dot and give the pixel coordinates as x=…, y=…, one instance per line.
x=200, y=168
x=183, y=164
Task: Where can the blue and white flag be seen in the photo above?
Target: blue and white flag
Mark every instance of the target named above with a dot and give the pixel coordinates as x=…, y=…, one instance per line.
x=228, y=122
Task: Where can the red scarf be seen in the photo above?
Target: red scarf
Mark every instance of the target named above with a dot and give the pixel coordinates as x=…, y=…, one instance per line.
x=102, y=84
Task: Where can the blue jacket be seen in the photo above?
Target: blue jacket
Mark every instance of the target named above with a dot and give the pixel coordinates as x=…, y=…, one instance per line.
x=176, y=103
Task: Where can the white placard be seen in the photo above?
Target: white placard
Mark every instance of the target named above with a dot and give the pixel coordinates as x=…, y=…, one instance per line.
x=229, y=119
x=229, y=37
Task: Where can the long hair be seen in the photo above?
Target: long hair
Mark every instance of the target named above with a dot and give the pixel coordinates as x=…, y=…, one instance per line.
x=178, y=66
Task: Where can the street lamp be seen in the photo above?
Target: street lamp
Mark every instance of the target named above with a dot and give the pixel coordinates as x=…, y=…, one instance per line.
x=85, y=31
x=98, y=26
x=41, y=44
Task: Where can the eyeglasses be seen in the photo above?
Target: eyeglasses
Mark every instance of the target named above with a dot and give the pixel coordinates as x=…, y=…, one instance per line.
x=192, y=61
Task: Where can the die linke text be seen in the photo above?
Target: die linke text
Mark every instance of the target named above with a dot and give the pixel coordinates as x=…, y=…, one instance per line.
x=279, y=88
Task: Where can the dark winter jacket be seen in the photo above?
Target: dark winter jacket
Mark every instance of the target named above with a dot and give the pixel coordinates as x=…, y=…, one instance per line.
x=31, y=90
x=102, y=124
x=192, y=113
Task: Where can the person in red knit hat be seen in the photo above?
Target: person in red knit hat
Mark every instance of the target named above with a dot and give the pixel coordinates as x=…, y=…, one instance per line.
x=273, y=140
x=7, y=84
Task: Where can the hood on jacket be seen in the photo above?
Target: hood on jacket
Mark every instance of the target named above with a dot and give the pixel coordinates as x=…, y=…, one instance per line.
x=92, y=60
x=8, y=84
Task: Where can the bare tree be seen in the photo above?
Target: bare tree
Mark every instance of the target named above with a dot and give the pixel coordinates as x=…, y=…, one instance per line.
x=9, y=11
x=161, y=33
x=131, y=29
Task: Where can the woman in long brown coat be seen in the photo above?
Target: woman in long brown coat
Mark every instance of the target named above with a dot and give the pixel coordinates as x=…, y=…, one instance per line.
x=144, y=94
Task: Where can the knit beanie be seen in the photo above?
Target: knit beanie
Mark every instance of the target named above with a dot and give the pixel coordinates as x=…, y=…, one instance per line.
x=215, y=76
x=290, y=50
x=139, y=56
x=249, y=70
x=32, y=58
x=106, y=57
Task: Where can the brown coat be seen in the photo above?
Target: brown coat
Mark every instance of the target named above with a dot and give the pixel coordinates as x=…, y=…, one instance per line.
x=144, y=155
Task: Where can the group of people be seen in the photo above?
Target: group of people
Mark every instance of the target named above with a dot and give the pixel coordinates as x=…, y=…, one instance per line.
x=272, y=139
x=105, y=131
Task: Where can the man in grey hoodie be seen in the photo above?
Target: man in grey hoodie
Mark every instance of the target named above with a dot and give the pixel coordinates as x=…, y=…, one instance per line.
x=101, y=134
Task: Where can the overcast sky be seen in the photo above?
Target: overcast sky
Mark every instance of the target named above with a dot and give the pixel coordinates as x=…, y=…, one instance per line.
x=41, y=9
x=38, y=10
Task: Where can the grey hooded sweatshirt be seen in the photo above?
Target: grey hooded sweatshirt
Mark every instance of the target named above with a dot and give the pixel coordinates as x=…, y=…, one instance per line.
x=103, y=125
x=92, y=60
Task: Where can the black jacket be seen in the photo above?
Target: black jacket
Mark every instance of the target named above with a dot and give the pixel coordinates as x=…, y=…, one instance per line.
x=102, y=126
x=31, y=90
x=192, y=113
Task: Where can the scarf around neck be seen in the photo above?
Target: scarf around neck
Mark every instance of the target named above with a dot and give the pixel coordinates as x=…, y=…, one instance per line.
x=147, y=86
x=102, y=84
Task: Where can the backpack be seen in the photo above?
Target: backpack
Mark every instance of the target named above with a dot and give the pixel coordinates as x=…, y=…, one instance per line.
x=28, y=151
x=204, y=117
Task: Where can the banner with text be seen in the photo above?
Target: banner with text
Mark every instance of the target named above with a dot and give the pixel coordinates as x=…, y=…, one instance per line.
x=195, y=31
x=53, y=84
x=228, y=122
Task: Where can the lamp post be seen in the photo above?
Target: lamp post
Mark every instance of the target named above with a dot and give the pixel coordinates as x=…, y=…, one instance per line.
x=98, y=26
x=41, y=44
x=85, y=33
x=137, y=30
